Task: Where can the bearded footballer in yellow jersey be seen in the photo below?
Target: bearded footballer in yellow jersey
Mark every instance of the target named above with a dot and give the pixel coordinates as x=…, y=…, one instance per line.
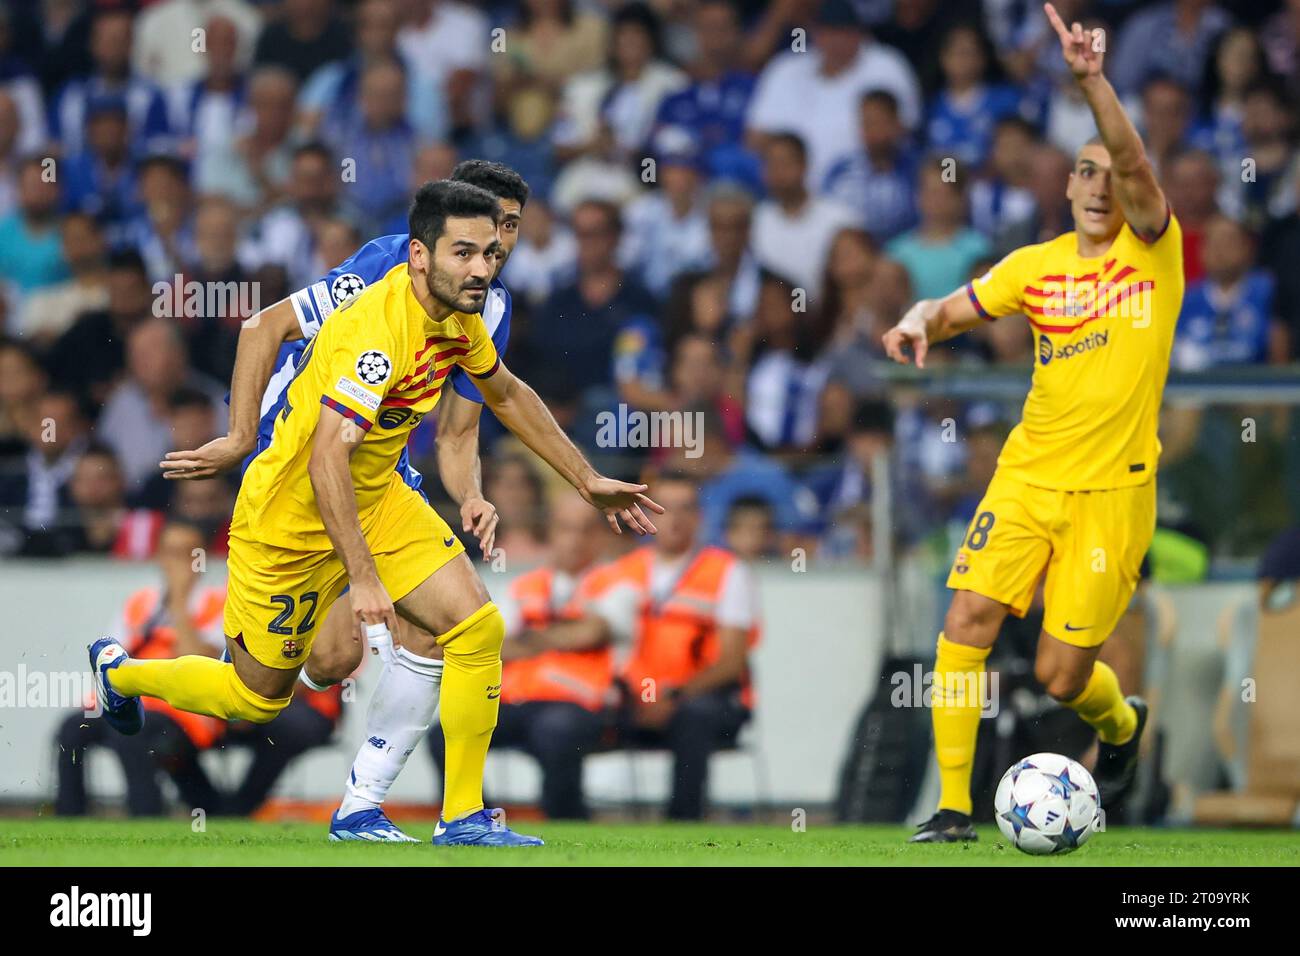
x=323, y=508
x=1074, y=493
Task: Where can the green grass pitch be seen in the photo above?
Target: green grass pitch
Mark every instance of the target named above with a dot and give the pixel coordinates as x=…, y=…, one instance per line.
x=169, y=843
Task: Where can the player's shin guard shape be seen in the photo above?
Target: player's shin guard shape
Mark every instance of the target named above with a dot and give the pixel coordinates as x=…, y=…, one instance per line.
x=958, y=676
x=400, y=712
x=1103, y=706
x=201, y=685
x=471, y=686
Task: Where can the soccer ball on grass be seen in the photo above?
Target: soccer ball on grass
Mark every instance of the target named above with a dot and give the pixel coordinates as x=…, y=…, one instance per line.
x=1046, y=804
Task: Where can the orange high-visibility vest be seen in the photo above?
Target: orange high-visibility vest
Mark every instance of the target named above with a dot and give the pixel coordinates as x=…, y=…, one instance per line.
x=678, y=638
x=580, y=677
x=148, y=640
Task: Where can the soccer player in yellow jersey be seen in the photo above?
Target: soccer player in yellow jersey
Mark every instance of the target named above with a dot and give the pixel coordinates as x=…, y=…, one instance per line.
x=323, y=508
x=1074, y=492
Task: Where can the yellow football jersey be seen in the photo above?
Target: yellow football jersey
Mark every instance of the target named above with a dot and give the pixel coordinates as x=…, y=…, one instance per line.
x=1103, y=330
x=381, y=362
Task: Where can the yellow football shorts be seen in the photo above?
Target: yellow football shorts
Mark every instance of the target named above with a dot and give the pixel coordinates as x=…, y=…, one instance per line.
x=277, y=597
x=1089, y=543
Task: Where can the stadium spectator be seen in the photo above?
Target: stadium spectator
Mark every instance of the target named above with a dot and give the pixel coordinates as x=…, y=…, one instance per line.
x=192, y=423
x=163, y=230
x=553, y=40
x=205, y=108
x=98, y=521
x=939, y=252
x=101, y=180
x=1280, y=37
x=714, y=105
x=843, y=64
x=962, y=116
x=724, y=475
x=30, y=254
x=165, y=48
x=1238, y=64
x=25, y=132
x=545, y=257
x=557, y=680
x=690, y=617
x=788, y=372
x=1003, y=198
x=90, y=355
x=1192, y=181
x=666, y=232
x=1050, y=170
x=1175, y=38
x=134, y=422
x=793, y=228
x=175, y=618
x=251, y=168
x=732, y=275
x=380, y=143
x=11, y=155
x=34, y=495
x=581, y=320
x=1229, y=317
x=450, y=43
x=22, y=383
x=230, y=296
x=751, y=530
x=308, y=33
x=877, y=183
x=1268, y=127
x=1166, y=120
x=612, y=111
x=286, y=234
x=839, y=486
x=1279, y=251
x=111, y=76
x=515, y=487
x=869, y=294
x=50, y=311
x=332, y=92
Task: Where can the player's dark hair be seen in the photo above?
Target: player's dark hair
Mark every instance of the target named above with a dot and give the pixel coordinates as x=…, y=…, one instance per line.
x=436, y=202
x=498, y=179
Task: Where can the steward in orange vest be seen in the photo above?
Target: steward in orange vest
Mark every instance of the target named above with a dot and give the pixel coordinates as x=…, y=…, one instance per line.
x=688, y=616
x=557, y=681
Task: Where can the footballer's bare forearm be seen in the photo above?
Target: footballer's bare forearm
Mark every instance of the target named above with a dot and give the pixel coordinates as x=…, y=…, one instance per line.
x=336, y=497
x=948, y=317
x=520, y=410
x=259, y=343
x=1132, y=174
x=459, y=466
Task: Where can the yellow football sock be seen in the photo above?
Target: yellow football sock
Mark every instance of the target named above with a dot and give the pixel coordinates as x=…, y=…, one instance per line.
x=1103, y=706
x=956, y=719
x=471, y=686
x=201, y=685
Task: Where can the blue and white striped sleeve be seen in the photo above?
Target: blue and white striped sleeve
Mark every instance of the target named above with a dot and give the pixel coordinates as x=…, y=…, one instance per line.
x=315, y=303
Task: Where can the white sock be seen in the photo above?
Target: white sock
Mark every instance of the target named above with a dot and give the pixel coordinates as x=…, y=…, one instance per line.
x=400, y=714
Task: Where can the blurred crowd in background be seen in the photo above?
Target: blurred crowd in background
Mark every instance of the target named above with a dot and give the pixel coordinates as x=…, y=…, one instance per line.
x=731, y=201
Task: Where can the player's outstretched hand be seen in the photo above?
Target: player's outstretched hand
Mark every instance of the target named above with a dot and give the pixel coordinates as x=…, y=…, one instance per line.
x=618, y=499
x=217, y=456
x=1081, y=48
x=480, y=516
x=909, y=332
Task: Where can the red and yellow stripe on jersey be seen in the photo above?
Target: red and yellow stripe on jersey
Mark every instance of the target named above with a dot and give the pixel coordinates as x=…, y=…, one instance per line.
x=381, y=362
x=1103, y=329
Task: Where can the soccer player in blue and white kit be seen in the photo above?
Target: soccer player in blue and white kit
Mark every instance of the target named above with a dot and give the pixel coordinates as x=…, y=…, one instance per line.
x=404, y=701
